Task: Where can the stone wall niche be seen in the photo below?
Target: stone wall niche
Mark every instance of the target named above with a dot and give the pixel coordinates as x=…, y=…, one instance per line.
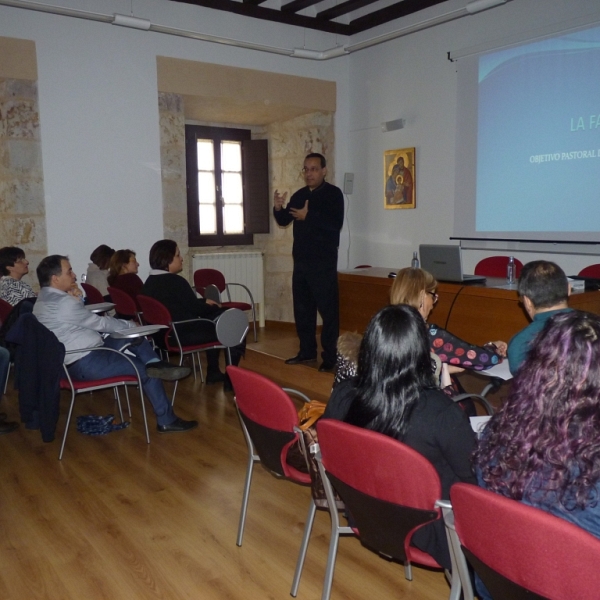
x=22, y=208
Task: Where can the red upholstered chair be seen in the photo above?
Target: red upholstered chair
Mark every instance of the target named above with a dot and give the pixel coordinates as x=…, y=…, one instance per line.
x=80, y=387
x=269, y=421
x=591, y=271
x=389, y=489
x=206, y=277
x=521, y=552
x=124, y=304
x=92, y=294
x=495, y=266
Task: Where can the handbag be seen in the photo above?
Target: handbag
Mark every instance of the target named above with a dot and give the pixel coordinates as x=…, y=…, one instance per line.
x=308, y=416
x=310, y=413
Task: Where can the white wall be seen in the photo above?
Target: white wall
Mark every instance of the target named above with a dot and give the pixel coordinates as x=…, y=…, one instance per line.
x=411, y=78
x=99, y=116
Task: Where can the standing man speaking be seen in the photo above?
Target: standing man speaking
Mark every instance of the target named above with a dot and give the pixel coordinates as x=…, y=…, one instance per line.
x=317, y=211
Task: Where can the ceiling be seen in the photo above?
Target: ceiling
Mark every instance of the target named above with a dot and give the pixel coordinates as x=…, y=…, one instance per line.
x=344, y=17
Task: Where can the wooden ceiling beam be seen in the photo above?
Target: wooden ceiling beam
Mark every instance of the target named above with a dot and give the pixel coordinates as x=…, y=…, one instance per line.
x=298, y=5
x=343, y=8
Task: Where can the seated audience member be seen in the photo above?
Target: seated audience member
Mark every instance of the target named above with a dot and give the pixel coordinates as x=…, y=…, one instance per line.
x=394, y=393
x=97, y=270
x=14, y=266
x=165, y=285
x=543, y=445
x=544, y=291
x=417, y=288
x=76, y=327
x=123, y=271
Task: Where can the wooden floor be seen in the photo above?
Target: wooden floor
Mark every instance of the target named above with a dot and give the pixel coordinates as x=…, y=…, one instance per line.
x=120, y=519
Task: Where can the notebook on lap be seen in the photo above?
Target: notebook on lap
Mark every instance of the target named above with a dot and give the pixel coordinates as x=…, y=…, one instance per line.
x=444, y=262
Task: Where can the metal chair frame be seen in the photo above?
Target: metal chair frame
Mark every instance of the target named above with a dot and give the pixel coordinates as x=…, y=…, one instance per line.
x=78, y=387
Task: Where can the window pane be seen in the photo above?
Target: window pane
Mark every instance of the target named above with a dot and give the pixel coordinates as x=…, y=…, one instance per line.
x=231, y=156
x=207, y=201
x=208, y=219
x=206, y=188
x=233, y=219
x=232, y=188
x=206, y=157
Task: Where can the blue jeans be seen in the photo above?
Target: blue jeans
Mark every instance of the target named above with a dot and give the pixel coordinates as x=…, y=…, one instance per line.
x=98, y=364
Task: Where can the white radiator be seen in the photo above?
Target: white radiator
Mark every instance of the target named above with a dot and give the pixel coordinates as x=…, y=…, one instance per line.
x=238, y=267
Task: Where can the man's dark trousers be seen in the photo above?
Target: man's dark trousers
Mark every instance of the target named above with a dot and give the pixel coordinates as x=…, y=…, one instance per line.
x=315, y=288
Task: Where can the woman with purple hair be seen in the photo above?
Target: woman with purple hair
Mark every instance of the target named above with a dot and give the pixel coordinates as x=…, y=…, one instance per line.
x=543, y=445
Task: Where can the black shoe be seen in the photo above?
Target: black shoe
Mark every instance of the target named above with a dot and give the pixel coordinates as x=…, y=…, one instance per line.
x=177, y=426
x=327, y=367
x=214, y=377
x=166, y=371
x=299, y=359
x=8, y=427
x=3, y=416
x=227, y=385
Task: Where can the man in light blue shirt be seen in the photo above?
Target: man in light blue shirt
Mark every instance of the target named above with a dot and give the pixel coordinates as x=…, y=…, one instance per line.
x=76, y=327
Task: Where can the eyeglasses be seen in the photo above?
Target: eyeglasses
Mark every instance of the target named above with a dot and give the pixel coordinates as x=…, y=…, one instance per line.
x=434, y=296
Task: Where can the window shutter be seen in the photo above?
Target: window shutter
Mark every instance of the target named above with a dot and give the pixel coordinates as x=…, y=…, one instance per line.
x=257, y=208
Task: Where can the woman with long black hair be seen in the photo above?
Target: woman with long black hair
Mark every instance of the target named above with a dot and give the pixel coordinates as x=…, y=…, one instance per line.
x=395, y=393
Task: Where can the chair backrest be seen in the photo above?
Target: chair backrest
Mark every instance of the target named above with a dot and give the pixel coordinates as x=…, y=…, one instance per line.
x=93, y=294
x=5, y=309
x=591, y=271
x=155, y=312
x=495, y=266
x=124, y=303
x=389, y=488
x=204, y=277
x=231, y=327
x=269, y=416
x=526, y=546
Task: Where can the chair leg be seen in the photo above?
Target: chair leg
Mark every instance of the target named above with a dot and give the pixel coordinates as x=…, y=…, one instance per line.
x=245, y=497
x=408, y=571
x=128, y=403
x=62, y=446
x=118, y=400
x=254, y=321
x=310, y=518
x=7, y=376
x=331, y=556
x=174, y=392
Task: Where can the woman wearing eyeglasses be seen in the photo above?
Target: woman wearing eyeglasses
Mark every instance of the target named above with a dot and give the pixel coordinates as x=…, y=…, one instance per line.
x=417, y=288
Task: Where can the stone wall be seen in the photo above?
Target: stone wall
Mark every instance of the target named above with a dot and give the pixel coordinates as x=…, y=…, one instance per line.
x=22, y=208
x=289, y=142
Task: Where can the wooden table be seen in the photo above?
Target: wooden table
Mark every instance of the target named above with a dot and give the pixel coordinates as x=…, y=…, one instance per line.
x=477, y=313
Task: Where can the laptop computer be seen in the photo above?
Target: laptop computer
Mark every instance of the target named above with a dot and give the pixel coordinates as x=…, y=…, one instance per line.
x=444, y=262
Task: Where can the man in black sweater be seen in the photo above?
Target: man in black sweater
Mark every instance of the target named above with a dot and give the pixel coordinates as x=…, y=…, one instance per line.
x=317, y=212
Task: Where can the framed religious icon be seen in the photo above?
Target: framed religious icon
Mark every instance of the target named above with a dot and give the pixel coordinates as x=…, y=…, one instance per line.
x=399, y=178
